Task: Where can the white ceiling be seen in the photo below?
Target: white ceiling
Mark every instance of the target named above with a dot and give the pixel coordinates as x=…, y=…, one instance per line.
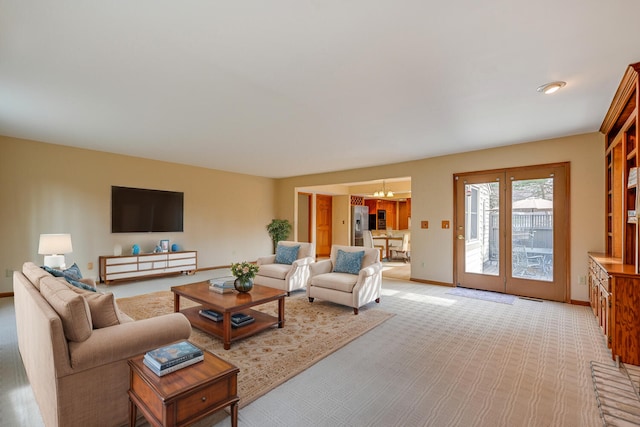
x=293, y=87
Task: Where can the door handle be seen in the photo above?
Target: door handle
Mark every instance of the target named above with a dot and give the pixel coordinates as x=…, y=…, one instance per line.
x=460, y=237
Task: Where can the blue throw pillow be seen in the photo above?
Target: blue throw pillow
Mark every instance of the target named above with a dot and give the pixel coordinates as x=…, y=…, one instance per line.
x=53, y=271
x=73, y=272
x=72, y=275
x=348, y=262
x=286, y=254
x=80, y=285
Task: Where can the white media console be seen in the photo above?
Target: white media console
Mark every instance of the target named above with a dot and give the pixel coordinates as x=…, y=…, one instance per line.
x=132, y=267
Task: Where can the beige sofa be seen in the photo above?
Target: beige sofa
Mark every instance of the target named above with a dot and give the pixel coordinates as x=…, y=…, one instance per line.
x=75, y=344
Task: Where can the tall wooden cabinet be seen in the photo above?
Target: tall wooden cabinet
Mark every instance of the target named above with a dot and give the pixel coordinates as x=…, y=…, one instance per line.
x=614, y=277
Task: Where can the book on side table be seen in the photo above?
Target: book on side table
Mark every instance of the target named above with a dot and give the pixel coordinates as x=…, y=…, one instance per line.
x=170, y=358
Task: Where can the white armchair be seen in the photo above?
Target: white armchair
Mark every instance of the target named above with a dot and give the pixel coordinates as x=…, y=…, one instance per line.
x=353, y=286
x=284, y=276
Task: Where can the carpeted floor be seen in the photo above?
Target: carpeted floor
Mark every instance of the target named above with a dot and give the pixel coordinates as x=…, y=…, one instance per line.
x=483, y=295
x=312, y=331
x=442, y=360
x=396, y=270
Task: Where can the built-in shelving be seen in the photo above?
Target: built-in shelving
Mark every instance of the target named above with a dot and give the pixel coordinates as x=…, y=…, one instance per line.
x=614, y=278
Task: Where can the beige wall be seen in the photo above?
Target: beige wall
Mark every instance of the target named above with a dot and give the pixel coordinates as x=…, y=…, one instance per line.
x=49, y=188
x=432, y=198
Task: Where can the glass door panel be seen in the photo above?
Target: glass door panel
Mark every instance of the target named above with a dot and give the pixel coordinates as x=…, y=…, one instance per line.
x=478, y=232
x=482, y=211
x=532, y=229
x=537, y=229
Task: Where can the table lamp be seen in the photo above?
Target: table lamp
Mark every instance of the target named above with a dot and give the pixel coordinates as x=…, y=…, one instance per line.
x=53, y=247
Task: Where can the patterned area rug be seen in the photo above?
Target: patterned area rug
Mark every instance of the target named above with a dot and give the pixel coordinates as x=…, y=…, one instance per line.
x=312, y=331
x=483, y=295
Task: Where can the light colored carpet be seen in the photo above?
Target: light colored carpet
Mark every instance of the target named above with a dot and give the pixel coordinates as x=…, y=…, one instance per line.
x=396, y=270
x=312, y=331
x=442, y=360
x=446, y=360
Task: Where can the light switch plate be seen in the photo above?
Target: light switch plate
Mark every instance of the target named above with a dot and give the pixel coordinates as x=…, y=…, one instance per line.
x=424, y=224
x=445, y=224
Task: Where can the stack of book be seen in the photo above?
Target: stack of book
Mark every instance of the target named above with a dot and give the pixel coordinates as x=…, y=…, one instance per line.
x=211, y=315
x=241, y=319
x=165, y=360
x=222, y=285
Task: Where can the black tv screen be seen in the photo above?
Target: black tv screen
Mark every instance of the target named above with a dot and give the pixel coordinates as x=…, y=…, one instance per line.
x=136, y=210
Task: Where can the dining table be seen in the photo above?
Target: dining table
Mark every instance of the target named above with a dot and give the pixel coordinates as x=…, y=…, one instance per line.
x=386, y=239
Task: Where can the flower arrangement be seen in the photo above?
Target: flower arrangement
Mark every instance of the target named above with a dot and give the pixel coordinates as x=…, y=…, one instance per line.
x=244, y=270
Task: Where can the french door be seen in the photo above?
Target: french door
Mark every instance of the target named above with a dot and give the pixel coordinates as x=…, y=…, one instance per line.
x=511, y=231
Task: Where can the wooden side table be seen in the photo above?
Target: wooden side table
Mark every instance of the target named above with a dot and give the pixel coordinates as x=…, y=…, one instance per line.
x=184, y=396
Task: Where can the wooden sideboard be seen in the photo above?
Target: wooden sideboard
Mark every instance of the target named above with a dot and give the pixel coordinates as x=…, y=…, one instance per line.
x=615, y=300
x=133, y=267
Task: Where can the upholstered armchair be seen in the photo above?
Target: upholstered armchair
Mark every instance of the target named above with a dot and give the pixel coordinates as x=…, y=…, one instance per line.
x=288, y=269
x=352, y=276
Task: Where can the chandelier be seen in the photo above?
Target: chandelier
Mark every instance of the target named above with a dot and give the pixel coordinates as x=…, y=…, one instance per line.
x=383, y=192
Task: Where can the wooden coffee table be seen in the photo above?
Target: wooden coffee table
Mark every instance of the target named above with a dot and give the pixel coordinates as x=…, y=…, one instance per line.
x=227, y=304
x=184, y=396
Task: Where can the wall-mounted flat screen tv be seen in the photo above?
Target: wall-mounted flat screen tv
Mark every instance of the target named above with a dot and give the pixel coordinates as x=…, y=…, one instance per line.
x=137, y=210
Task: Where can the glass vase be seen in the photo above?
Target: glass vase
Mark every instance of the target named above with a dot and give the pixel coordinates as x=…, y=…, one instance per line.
x=243, y=284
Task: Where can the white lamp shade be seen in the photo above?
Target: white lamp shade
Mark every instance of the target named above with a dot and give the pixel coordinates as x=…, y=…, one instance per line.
x=54, y=244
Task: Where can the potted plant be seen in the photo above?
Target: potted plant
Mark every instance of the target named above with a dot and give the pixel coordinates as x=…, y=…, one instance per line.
x=278, y=229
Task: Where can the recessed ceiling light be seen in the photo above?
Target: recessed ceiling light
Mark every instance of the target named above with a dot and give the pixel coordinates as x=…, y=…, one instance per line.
x=549, y=88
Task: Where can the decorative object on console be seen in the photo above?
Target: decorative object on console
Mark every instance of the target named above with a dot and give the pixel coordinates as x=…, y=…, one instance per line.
x=164, y=245
x=244, y=273
x=53, y=247
x=278, y=229
x=135, y=249
x=175, y=247
x=157, y=249
x=117, y=250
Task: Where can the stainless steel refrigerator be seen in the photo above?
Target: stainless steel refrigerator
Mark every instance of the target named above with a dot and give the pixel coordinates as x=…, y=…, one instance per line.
x=359, y=223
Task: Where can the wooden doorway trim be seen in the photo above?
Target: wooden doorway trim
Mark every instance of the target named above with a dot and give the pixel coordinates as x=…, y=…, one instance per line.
x=304, y=223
